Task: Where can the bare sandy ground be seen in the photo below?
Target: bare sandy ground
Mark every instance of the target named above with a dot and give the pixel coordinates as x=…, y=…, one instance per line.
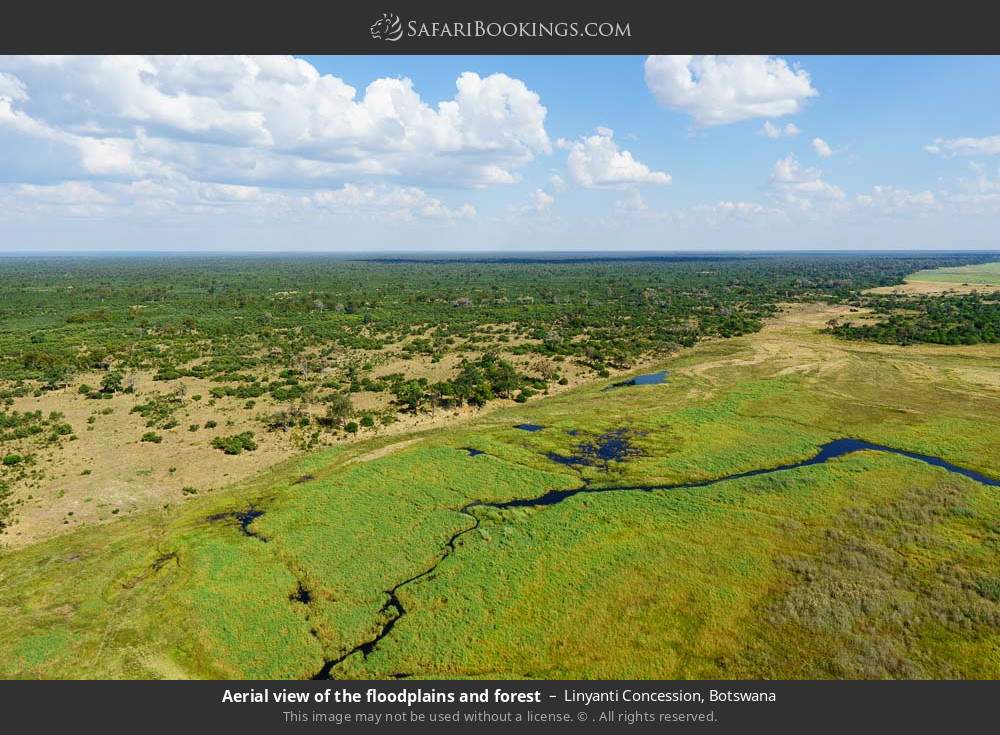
x=933, y=287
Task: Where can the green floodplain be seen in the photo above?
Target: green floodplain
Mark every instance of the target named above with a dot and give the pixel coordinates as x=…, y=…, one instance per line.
x=401, y=555
x=986, y=274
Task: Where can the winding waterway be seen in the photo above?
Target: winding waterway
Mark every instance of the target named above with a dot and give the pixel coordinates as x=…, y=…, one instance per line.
x=393, y=609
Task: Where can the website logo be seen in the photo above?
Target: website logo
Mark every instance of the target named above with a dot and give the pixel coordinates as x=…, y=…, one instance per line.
x=387, y=28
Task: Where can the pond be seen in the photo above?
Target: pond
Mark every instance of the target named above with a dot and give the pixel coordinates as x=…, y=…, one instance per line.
x=614, y=446
x=647, y=379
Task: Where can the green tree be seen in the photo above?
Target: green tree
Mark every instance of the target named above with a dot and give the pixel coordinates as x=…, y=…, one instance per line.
x=410, y=394
x=112, y=382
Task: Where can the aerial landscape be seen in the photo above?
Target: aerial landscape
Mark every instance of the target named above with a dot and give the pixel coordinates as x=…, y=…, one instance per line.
x=289, y=397
x=403, y=479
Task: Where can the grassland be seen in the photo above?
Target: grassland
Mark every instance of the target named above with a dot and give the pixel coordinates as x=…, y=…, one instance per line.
x=987, y=274
x=870, y=566
x=956, y=279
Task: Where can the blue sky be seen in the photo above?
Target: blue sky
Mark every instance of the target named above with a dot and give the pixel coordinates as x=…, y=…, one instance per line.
x=499, y=153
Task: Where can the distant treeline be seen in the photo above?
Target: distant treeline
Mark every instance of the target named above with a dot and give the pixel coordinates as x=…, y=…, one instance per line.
x=217, y=315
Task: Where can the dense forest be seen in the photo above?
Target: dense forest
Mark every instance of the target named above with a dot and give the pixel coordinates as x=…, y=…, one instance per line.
x=64, y=315
x=942, y=319
x=308, y=333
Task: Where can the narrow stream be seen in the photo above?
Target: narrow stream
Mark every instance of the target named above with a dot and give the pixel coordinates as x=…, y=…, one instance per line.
x=394, y=606
x=395, y=610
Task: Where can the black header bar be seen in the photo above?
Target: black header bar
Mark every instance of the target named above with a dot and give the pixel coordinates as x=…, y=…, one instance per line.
x=510, y=27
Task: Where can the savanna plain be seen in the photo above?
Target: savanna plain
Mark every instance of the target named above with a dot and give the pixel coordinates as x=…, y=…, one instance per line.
x=729, y=466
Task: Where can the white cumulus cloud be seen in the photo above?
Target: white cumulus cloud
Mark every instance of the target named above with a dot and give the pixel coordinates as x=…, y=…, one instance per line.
x=260, y=121
x=631, y=204
x=891, y=200
x=392, y=201
x=770, y=130
x=801, y=185
x=822, y=148
x=541, y=201
x=716, y=90
x=597, y=161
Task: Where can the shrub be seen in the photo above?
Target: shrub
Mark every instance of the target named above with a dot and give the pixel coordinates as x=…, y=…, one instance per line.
x=338, y=408
x=10, y=460
x=168, y=373
x=524, y=395
x=158, y=410
x=235, y=443
x=152, y=436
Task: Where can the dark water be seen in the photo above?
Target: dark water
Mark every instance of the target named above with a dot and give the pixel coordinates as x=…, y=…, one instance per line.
x=529, y=427
x=840, y=447
x=247, y=517
x=473, y=452
x=301, y=595
x=830, y=450
x=647, y=379
x=571, y=460
x=650, y=378
x=615, y=446
x=244, y=518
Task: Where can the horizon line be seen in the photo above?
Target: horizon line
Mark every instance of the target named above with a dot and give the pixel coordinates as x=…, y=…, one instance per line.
x=495, y=253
